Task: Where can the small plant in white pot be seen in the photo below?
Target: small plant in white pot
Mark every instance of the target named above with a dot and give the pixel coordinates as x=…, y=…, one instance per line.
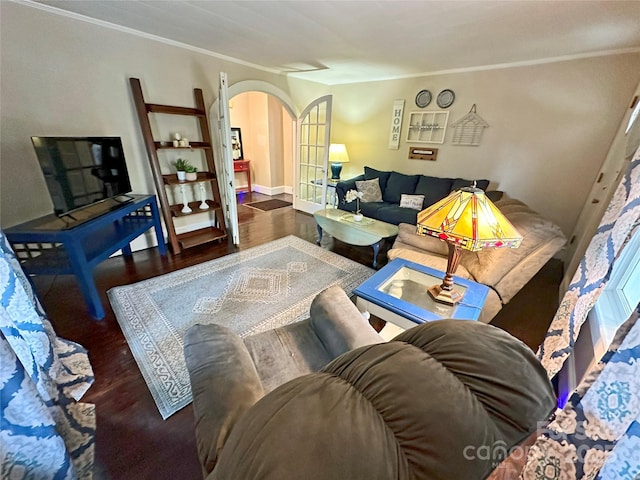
x=192, y=173
x=181, y=167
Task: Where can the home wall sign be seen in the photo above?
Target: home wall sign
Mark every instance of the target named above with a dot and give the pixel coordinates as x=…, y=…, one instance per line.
x=468, y=130
x=427, y=127
x=396, y=124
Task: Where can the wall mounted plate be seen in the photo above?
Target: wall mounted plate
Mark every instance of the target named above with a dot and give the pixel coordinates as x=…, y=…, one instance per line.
x=423, y=98
x=446, y=98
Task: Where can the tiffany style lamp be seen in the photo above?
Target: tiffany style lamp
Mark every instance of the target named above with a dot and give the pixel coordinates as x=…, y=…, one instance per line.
x=468, y=220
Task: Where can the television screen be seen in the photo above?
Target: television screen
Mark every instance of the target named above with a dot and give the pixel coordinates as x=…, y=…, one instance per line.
x=80, y=171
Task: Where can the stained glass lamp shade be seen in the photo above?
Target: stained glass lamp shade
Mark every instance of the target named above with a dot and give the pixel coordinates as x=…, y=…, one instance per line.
x=337, y=156
x=468, y=220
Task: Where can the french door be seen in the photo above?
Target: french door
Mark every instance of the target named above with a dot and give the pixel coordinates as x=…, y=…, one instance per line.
x=312, y=159
x=224, y=162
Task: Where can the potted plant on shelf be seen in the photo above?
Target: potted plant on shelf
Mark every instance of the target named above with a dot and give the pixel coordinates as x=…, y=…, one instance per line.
x=192, y=172
x=181, y=167
x=352, y=195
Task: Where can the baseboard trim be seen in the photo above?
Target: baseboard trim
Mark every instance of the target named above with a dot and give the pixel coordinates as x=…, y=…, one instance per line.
x=271, y=190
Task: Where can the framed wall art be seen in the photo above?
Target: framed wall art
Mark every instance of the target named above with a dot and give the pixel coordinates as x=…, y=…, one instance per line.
x=427, y=127
x=236, y=143
x=468, y=129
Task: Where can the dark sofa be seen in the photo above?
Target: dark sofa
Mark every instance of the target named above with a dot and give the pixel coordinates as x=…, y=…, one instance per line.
x=392, y=186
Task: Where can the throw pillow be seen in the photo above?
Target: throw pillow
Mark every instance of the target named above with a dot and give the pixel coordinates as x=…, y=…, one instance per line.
x=370, y=190
x=411, y=201
x=371, y=173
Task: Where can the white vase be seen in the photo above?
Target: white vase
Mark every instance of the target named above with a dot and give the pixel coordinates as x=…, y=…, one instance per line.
x=357, y=217
x=182, y=175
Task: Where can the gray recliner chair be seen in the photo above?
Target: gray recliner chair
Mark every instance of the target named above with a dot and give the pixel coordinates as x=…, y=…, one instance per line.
x=444, y=400
x=228, y=375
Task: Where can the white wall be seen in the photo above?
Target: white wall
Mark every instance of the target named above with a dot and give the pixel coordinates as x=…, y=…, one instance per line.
x=550, y=128
x=64, y=77
x=550, y=125
x=610, y=174
x=267, y=136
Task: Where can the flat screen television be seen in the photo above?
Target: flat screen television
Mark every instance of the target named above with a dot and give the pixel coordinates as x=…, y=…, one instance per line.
x=82, y=171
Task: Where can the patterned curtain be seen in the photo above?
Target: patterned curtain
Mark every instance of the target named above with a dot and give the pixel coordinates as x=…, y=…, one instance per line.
x=45, y=432
x=597, y=433
x=620, y=221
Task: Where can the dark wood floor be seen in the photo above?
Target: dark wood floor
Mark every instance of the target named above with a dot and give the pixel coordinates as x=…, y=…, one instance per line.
x=132, y=441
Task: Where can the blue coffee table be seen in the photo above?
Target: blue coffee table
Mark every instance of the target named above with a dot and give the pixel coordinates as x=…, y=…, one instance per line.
x=397, y=293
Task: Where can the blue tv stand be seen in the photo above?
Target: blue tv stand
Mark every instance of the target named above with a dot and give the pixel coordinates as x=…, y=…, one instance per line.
x=76, y=244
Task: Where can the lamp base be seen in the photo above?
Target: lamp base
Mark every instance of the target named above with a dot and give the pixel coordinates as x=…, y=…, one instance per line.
x=336, y=168
x=448, y=297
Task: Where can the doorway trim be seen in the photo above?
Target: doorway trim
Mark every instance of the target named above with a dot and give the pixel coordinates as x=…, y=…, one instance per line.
x=264, y=87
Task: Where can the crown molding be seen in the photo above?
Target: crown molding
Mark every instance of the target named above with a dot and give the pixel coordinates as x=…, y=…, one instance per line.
x=305, y=75
x=138, y=33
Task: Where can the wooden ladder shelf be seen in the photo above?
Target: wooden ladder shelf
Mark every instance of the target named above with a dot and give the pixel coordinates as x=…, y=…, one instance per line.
x=172, y=211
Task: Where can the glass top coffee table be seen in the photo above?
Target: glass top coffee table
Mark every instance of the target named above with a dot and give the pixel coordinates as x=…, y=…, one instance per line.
x=366, y=232
x=397, y=293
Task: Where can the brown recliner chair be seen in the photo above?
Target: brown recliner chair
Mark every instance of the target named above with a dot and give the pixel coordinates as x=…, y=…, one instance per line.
x=444, y=400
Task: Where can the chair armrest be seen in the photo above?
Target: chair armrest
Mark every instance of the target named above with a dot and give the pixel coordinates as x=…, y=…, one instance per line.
x=339, y=324
x=224, y=383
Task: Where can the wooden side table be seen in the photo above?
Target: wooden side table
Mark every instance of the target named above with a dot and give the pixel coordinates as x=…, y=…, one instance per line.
x=243, y=166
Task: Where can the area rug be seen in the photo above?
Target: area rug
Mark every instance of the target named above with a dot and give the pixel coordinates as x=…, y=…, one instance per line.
x=267, y=205
x=249, y=291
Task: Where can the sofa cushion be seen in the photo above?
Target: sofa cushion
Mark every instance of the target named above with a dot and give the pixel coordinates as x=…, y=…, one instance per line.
x=434, y=189
x=458, y=183
x=371, y=173
x=370, y=209
x=397, y=185
x=395, y=214
x=411, y=201
x=370, y=190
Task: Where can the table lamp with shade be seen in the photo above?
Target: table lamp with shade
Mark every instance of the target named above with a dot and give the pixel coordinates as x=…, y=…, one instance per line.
x=466, y=219
x=337, y=156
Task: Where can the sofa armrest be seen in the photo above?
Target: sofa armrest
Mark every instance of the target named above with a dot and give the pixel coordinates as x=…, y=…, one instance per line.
x=224, y=384
x=407, y=237
x=339, y=324
x=344, y=186
x=507, y=270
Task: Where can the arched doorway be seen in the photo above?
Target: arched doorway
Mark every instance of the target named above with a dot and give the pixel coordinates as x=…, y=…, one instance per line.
x=267, y=130
x=309, y=144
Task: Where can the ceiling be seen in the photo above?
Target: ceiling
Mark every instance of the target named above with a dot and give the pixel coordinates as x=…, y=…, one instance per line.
x=335, y=42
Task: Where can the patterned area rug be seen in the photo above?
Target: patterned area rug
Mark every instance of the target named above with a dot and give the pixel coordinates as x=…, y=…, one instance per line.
x=267, y=205
x=250, y=291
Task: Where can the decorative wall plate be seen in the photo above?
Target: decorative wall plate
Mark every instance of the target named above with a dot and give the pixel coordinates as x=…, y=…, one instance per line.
x=446, y=98
x=423, y=98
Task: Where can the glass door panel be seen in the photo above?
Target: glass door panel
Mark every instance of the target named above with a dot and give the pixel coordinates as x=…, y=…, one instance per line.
x=312, y=159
